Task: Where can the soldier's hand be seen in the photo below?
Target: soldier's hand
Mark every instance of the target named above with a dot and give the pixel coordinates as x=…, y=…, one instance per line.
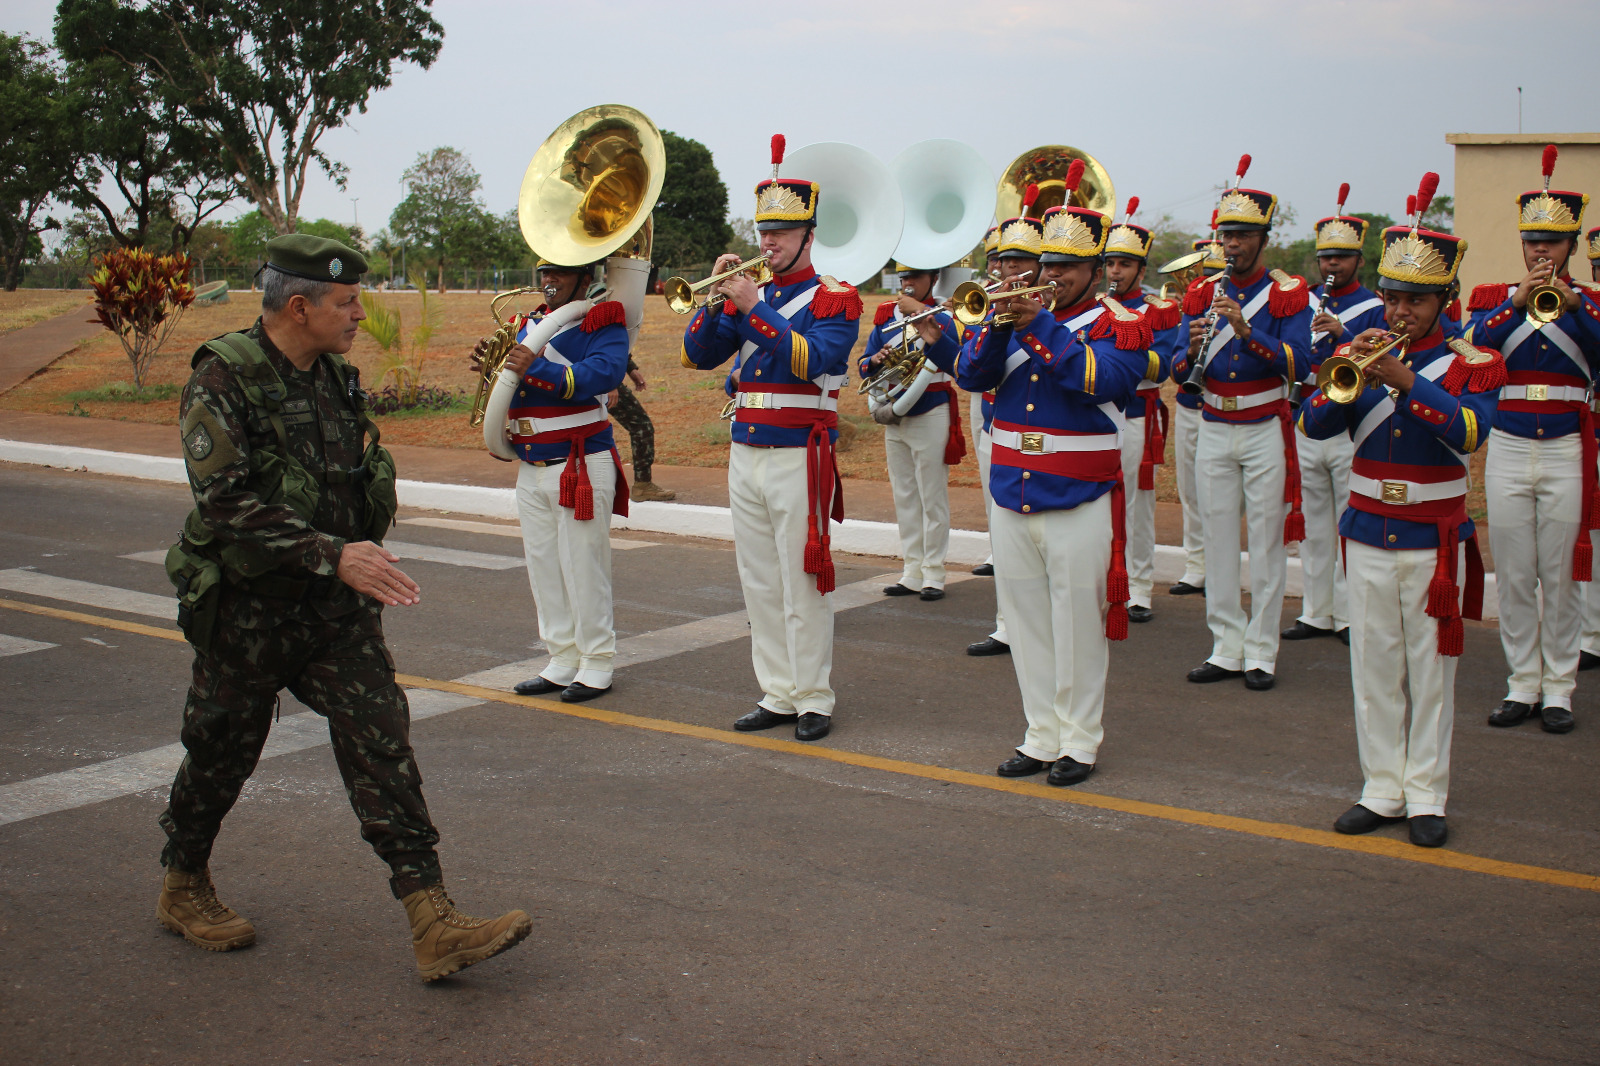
x=1367, y=340
x=742, y=291
x=1329, y=324
x=638, y=380
x=931, y=333
x=478, y=351
x=1539, y=275
x=909, y=305
x=1391, y=372
x=1229, y=308
x=369, y=569
x=611, y=400
x=1197, y=330
x=519, y=359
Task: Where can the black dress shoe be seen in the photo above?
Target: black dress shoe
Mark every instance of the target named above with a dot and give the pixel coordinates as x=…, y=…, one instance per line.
x=1259, y=680
x=1206, y=673
x=812, y=726
x=1358, y=820
x=578, y=692
x=1069, y=771
x=1020, y=765
x=1556, y=720
x=989, y=646
x=983, y=570
x=931, y=593
x=1139, y=614
x=537, y=686
x=761, y=718
x=1304, y=631
x=1344, y=636
x=1428, y=831
x=898, y=590
x=1511, y=713
x=1587, y=660
x=1183, y=588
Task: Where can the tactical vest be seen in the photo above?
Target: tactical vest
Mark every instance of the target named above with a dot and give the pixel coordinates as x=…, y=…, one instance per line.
x=197, y=566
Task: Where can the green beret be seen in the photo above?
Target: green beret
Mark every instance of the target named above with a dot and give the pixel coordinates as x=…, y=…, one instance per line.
x=316, y=258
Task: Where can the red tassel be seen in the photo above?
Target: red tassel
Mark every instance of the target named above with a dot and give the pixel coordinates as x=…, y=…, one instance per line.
x=955, y=448
x=1244, y=165
x=1425, y=190
x=1147, y=476
x=1130, y=334
x=1594, y=510
x=1117, y=576
x=583, y=511
x=1344, y=194
x=1283, y=302
x=1117, y=622
x=1197, y=300
x=1294, y=527
x=609, y=313
x=884, y=313
x=1490, y=376
x=1133, y=205
x=1162, y=314
x=1452, y=636
x=779, y=143
x=1583, y=560
x=827, y=303
x=1453, y=312
x=813, y=564
x=1488, y=297
x=1074, y=177
x=730, y=308
x=1547, y=163
x=826, y=581
x=1442, y=596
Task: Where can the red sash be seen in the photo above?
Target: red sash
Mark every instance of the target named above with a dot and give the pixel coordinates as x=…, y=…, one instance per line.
x=1157, y=423
x=577, y=492
x=955, y=446
x=824, y=490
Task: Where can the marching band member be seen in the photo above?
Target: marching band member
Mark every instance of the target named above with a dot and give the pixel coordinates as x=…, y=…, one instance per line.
x=1589, y=646
x=1185, y=437
x=1413, y=425
x=1540, y=474
x=923, y=443
x=794, y=337
x=1245, y=455
x=979, y=411
x=1346, y=308
x=1059, y=377
x=1144, y=445
x=570, y=483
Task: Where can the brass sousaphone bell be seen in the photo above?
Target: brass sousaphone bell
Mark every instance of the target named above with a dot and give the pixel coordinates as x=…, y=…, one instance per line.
x=1046, y=167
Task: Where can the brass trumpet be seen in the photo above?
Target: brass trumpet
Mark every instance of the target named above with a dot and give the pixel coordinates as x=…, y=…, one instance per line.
x=1009, y=317
x=494, y=356
x=1342, y=378
x=680, y=293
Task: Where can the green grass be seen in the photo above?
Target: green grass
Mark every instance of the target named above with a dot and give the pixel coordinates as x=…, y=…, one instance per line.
x=122, y=392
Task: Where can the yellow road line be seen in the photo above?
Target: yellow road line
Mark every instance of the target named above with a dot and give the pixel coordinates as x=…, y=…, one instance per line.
x=1384, y=846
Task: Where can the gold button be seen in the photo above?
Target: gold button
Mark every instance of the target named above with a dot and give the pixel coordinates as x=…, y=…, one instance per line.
x=1026, y=508
x=1026, y=474
x=1397, y=432
x=1538, y=433
x=758, y=373
x=1232, y=375
x=1030, y=407
x=1035, y=377
x=1391, y=538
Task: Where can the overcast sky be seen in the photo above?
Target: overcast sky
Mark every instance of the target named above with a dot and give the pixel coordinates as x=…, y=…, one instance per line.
x=1165, y=94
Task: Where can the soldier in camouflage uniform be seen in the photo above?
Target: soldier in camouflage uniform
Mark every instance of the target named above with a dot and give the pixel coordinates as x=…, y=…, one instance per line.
x=632, y=417
x=282, y=582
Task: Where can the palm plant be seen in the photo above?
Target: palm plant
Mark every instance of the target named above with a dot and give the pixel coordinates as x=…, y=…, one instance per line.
x=402, y=357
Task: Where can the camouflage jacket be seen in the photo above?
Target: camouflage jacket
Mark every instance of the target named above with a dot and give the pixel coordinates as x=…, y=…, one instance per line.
x=322, y=424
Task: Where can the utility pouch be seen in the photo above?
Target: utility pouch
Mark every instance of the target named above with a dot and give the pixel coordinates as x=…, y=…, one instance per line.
x=198, y=581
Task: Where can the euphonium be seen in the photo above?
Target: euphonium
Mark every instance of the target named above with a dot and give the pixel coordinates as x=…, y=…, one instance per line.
x=1342, y=378
x=494, y=356
x=680, y=293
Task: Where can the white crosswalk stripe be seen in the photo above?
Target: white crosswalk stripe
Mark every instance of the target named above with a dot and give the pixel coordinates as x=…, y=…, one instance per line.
x=108, y=597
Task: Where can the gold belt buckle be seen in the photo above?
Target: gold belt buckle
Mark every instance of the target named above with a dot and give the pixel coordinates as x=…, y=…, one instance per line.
x=522, y=426
x=1229, y=403
x=755, y=400
x=1395, y=492
x=1033, y=442
x=1538, y=392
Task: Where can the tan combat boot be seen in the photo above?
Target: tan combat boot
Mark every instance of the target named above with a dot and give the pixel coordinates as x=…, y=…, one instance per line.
x=649, y=490
x=446, y=940
x=189, y=906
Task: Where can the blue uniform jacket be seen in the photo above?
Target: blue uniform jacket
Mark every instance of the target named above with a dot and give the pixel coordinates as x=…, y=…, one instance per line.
x=943, y=354
x=1341, y=302
x=1279, y=345
x=812, y=345
x=597, y=348
x=1495, y=323
x=1064, y=381
x=1163, y=347
x=1429, y=426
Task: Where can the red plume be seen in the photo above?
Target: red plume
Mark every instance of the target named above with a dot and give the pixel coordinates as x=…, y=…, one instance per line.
x=1213, y=222
x=1074, y=176
x=779, y=143
x=1029, y=195
x=1411, y=206
x=1344, y=194
x=1547, y=165
x=1425, y=190
x=1133, y=205
x=1244, y=165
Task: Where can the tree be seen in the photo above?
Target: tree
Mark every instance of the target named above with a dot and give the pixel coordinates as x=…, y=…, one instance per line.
x=691, y=218
x=442, y=211
x=261, y=83
x=35, y=158
x=1441, y=214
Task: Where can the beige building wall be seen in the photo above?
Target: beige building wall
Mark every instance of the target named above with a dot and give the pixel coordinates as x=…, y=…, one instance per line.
x=1492, y=169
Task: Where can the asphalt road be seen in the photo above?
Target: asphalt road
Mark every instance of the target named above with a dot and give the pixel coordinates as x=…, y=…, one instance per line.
x=699, y=901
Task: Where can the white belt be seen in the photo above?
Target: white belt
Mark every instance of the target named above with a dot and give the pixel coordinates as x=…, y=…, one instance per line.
x=528, y=427
x=1544, y=392
x=1240, y=403
x=771, y=401
x=1407, y=492
x=1043, y=441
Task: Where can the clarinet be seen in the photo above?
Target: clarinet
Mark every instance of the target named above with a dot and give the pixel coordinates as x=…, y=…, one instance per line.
x=1296, y=388
x=1194, y=384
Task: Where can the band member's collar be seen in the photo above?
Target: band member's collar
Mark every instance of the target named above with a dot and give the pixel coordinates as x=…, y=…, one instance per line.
x=783, y=281
x=1250, y=279
x=1355, y=283
x=1075, y=310
x=1432, y=340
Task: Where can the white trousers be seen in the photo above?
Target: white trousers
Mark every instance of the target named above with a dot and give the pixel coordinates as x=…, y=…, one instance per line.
x=1242, y=469
x=569, y=567
x=1590, y=641
x=1050, y=574
x=985, y=445
x=1185, y=437
x=921, y=484
x=1140, y=553
x=1324, y=492
x=791, y=624
x=1535, y=490
x=1394, y=646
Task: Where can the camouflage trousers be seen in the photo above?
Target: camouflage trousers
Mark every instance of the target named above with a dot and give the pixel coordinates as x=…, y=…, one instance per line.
x=341, y=669
x=632, y=417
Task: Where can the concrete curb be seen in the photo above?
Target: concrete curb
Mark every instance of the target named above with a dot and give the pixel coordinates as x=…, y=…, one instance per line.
x=967, y=547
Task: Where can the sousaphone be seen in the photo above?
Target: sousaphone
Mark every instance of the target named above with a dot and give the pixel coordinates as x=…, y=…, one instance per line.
x=1046, y=167
x=859, y=210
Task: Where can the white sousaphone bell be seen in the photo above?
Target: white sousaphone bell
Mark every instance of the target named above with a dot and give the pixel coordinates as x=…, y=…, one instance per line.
x=859, y=211
x=949, y=198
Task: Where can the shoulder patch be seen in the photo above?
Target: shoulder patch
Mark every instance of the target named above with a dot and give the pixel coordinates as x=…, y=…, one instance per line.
x=1129, y=330
x=884, y=313
x=207, y=448
x=609, y=313
x=1488, y=296
x=1197, y=297
x=834, y=297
